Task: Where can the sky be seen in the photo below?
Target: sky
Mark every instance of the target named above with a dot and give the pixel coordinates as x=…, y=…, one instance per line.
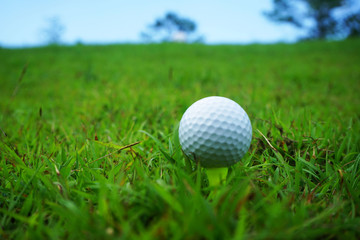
x=22, y=22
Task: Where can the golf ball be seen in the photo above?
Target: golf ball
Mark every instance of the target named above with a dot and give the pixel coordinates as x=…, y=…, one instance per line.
x=215, y=131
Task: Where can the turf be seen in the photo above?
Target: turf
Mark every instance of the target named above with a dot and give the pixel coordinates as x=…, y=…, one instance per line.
x=89, y=146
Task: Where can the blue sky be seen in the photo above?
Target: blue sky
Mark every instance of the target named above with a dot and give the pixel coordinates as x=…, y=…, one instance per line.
x=92, y=21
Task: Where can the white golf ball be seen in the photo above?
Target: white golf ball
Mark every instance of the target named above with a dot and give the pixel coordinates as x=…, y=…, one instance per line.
x=215, y=131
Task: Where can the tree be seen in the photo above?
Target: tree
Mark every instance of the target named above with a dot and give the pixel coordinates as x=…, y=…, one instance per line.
x=170, y=28
x=317, y=16
x=54, y=31
x=352, y=24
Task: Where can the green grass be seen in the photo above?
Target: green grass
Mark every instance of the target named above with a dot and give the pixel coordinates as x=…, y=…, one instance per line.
x=65, y=113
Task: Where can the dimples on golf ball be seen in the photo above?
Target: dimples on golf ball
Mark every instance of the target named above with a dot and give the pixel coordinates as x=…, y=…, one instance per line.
x=215, y=131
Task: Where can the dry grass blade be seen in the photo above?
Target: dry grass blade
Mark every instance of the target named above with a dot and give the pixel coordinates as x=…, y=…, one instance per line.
x=312, y=193
x=20, y=80
x=120, y=149
x=268, y=142
x=3, y=132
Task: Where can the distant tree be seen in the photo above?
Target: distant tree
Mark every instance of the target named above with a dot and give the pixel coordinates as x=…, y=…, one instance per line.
x=54, y=31
x=170, y=28
x=320, y=15
x=352, y=24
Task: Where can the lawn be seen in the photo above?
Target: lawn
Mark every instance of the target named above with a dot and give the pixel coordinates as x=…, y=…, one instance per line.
x=89, y=146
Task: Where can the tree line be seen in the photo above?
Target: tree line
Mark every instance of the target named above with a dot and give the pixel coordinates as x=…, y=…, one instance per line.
x=320, y=19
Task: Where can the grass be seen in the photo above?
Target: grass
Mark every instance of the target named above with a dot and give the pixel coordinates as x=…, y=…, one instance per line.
x=72, y=118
